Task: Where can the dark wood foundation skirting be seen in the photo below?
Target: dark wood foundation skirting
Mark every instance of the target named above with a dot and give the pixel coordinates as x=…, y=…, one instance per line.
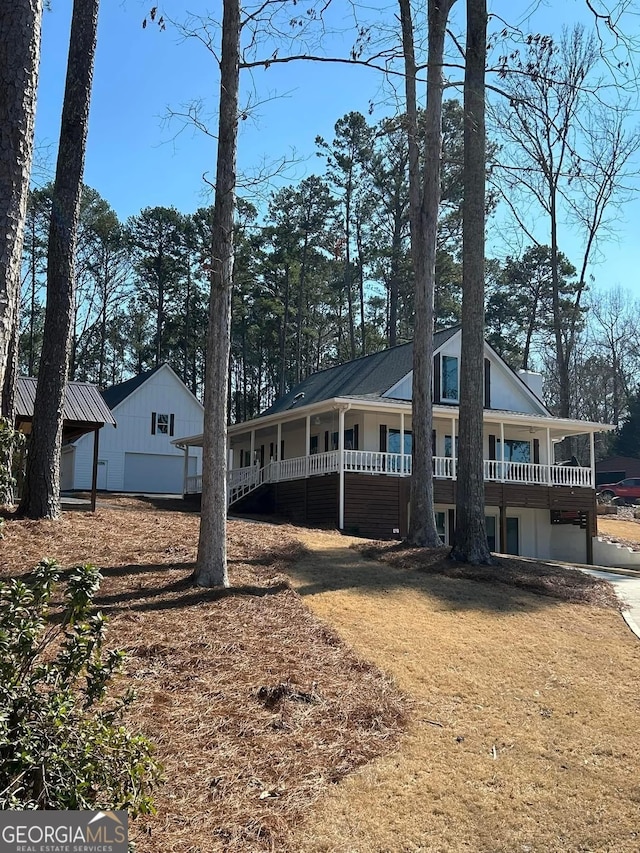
x=377, y=505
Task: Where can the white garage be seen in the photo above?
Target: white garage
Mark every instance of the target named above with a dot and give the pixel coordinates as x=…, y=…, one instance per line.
x=153, y=472
x=137, y=455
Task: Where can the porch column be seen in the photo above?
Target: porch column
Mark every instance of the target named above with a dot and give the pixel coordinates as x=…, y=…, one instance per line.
x=94, y=470
x=307, y=442
x=592, y=458
x=454, y=457
x=549, y=457
x=279, y=442
x=402, y=443
x=502, y=451
x=185, y=469
x=341, y=468
x=252, y=447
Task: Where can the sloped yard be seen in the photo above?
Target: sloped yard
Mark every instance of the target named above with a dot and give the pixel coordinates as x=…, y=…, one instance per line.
x=512, y=726
x=525, y=733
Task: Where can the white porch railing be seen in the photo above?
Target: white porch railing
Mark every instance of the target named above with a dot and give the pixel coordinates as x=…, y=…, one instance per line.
x=193, y=486
x=241, y=481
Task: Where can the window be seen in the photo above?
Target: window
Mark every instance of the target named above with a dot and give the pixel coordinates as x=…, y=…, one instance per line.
x=313, y=445
x=447, y=446
x=440, y=527
x=515, y=450
x=348, y=440
x=449, y=378
x=393, y=441
x=162, y=424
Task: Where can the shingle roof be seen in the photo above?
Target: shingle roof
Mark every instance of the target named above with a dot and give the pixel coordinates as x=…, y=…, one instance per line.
x=117, y=393
x=370, y=375
x=83, y=402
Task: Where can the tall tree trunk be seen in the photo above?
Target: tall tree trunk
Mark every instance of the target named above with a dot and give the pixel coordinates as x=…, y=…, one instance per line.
x=20, y=23
x=423, y=206
x=394, y=270
x=41, y=498
x=211, y=568
x=470, y=544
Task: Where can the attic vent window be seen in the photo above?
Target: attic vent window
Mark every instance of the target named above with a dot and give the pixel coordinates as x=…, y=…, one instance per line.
x=162, y=424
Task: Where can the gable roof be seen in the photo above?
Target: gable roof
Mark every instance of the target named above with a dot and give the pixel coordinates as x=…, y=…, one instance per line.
x=119, y=393
x=82, y=402
x=370, y=375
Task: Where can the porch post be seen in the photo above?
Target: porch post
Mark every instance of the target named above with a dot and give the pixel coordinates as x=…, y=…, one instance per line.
x=185, y=469
x=592, y=458
x=341, y=468
x=94, y=470
x=549, y=457
x=402, y=443
x=307, y=443
x=279, y=441
x=502, y=451
x=252, y=447
x=454, y=458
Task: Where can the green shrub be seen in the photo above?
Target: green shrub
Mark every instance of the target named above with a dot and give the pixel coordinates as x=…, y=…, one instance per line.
x=10, y=441
x=63, y=744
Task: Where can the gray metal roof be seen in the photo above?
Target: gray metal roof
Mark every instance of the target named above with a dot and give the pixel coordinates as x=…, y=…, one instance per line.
x=83, y=402
x=370, y=375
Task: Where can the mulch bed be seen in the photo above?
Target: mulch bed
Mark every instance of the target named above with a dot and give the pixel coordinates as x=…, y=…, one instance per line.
x=254, y=704
x=540, y=578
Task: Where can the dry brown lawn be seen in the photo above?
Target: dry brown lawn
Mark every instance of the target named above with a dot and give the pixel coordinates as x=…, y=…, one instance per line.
x=525, y=738
x=626, y=531
x=520, y=710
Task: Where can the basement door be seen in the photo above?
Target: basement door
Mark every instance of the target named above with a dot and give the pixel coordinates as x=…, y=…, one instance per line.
x=513, y=535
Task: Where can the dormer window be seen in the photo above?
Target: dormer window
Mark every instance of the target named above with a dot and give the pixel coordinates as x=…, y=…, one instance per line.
x=450, y=379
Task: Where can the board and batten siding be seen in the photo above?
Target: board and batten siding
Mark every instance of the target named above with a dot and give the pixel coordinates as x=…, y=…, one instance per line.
x=162, y=393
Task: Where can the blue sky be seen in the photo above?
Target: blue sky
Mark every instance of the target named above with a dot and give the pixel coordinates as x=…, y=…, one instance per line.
x=135, y=158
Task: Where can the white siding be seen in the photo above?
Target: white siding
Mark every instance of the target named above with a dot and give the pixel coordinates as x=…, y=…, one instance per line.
x=568, y=542
x=162, y=393
x=66, y=468
x=507, y=391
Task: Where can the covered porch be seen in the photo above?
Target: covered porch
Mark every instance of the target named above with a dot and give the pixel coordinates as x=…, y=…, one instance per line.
x=346, y=436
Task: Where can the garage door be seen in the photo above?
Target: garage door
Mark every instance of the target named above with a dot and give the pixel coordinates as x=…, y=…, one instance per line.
x=153, y=472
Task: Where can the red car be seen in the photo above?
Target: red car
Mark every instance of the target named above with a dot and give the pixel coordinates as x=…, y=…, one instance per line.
x=627, y=491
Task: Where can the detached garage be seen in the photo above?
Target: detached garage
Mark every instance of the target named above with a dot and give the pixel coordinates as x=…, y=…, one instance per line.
x=138, y=455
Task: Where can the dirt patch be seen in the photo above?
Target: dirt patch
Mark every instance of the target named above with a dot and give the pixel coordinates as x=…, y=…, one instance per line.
x=541, y=578
x=256, y=706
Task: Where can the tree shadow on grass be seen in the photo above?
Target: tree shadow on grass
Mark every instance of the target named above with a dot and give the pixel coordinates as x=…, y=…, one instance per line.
x=507, y=587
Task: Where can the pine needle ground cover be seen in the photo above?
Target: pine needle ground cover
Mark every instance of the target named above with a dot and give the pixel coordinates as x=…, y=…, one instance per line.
x=256, y=706
x=520, y=726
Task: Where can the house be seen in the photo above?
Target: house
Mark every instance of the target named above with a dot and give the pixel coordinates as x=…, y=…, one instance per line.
x=337, y=450
x=138, y=454
x=616, y=468
x=84, y=414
